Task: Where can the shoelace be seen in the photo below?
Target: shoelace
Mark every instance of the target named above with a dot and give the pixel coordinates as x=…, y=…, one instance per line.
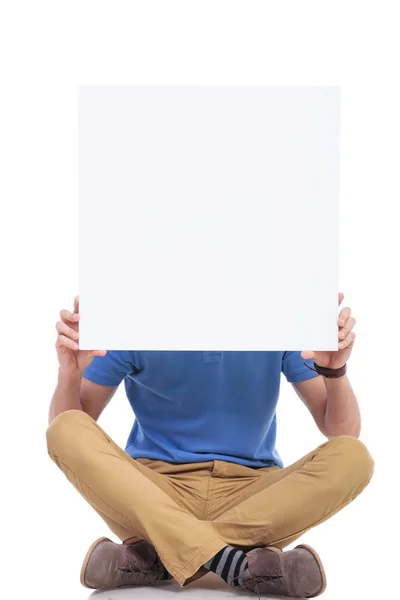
x=261, y=579
x=131, y=569
x=236, y=579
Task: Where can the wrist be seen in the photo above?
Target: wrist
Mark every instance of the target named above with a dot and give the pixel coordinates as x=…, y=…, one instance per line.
x=329, y=373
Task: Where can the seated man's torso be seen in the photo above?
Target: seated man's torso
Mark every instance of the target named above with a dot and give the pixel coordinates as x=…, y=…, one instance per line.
x=201, y=406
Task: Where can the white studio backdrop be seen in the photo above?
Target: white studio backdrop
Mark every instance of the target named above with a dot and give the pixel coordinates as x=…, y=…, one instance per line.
x=47, y=49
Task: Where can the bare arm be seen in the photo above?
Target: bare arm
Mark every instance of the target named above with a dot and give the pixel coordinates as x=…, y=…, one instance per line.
x=333, y=405
x=66, y=395
x=74, y=392
x=332, y=402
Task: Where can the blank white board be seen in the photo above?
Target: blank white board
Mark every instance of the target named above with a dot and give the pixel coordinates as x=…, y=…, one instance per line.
x=208, y=217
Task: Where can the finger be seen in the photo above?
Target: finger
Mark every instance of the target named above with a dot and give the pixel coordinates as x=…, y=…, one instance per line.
x=66, y=316
x=76, y=304
x=348, y=341
x=62, y=340
x=348, y=326
x=92, y=353
x=341, y=298
x=306, y=354
x=344, y=315
x=63, y=329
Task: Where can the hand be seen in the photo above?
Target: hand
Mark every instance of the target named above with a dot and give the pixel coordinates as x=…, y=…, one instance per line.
x=72, y=360
x=346, y=337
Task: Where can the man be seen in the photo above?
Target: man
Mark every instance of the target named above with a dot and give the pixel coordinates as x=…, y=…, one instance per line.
x=201, y=486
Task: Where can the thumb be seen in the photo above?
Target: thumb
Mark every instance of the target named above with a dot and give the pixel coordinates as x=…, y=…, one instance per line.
x=88, y=355
x=306, y=354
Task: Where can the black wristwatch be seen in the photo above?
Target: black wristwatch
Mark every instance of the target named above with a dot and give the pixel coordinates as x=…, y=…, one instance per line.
x=329, y=373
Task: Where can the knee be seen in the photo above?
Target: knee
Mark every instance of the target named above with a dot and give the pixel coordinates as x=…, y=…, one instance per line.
x=63, y=433
x=356, y=461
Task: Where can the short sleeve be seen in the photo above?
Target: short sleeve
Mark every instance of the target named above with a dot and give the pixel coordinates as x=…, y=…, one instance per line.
x=112, y=368
x=294, y=369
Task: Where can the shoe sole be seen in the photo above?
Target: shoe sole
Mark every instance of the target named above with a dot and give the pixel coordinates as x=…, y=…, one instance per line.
x=86, y=560
x=320, y=566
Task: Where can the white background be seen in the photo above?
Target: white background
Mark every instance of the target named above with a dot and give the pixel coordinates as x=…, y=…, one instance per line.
x=198, y=200
x=47, y=48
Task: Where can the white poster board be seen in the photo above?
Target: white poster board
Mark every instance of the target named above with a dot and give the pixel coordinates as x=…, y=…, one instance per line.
x=209, y=217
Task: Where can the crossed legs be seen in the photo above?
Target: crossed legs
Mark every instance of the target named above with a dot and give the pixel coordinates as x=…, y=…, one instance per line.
x=139, y=503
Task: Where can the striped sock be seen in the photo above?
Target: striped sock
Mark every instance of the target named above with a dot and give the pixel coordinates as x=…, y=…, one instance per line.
x=229, y=564
x=165, y=574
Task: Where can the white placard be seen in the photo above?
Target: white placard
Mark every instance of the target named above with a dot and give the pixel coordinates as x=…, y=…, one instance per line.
x=209, y=217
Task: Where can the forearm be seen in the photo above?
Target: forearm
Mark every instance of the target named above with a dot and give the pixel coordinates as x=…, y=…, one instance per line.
x=66, y=395
x=342, y=413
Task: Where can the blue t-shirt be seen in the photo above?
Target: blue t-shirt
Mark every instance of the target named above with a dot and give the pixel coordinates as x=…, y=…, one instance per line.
x=202, y=406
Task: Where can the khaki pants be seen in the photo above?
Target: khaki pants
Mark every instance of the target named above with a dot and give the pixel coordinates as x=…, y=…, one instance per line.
x=190, y=511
